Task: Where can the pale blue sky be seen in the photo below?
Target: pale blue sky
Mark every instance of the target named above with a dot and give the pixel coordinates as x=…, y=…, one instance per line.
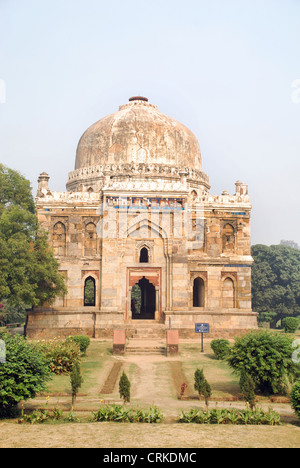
x=223, y=68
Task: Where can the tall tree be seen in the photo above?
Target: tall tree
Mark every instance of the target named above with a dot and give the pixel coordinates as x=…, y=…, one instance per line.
x=275, y=282
x=290, y=243
x=28, y=270
x=15, y=189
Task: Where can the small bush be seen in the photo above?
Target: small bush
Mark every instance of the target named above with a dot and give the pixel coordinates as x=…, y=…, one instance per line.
x=221, y=348
x=183, y=388
x=295, y=398
x=124, y=388
x=201, y=385
x=41, y=416
x=62, y=355
x=83, y=341
x=290, y=324
x=76, y=381
x=35, y=417
x=119, y=413
x=247, y=387
x=267, y=358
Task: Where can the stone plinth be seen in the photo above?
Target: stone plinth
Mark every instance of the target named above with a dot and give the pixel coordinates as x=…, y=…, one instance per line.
x=119, y=343
x=172, y=342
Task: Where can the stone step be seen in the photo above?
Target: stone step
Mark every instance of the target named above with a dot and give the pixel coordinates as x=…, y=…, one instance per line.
x=139, y=350
x=145, y=346
x=144, y=336
x=155, y=331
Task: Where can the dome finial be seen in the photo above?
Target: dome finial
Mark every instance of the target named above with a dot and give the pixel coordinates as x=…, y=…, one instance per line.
x=138, y=98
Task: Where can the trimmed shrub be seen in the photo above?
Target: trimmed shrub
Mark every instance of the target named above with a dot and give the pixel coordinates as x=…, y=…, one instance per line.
x=201, y=385
x=83, y=341
x=295, y=398
x=221, y=348
x=76, y=381
x=290, y=324
x=124, y=388
x=267, y=357
x=247, y=387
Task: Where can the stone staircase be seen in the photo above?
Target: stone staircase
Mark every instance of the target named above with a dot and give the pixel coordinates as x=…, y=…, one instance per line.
x=147, y=338
x=145, y=347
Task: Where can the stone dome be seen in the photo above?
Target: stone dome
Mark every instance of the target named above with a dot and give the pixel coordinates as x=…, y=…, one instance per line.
x=137, y=148
x=138, y=133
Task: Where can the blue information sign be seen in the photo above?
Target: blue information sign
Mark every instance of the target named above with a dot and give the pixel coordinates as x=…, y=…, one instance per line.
x=202, y=327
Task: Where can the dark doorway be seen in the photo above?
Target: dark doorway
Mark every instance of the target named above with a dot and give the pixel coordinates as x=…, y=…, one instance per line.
x=144, y=255
x=143, y=300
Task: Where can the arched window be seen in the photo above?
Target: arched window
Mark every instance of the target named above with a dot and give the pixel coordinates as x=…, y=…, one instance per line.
x=228, y=294
x=198, y=292
x=194, y=195
x=90, y=292
x=59, y=239
x=90, y=240
x=144, y=255
x=228, y=238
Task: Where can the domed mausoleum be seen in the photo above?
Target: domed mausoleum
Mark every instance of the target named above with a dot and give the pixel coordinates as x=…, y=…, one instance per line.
x=139, y=238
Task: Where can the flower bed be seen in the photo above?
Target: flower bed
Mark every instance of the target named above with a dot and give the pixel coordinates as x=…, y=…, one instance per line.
x=231, y=416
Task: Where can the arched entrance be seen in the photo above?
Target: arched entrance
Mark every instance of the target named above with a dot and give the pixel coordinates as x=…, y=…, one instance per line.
x=198, y=292
x=143, y=299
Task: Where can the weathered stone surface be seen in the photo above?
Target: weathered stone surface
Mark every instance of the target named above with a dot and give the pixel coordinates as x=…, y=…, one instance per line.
x=119, y=342
x=138, y=186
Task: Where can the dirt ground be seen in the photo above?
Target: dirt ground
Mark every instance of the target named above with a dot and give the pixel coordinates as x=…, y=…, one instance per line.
x=114, y=435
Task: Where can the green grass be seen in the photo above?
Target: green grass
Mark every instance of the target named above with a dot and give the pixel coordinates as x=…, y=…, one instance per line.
x=151, y=386
x=148, y=385
x=91, y=366
x=223, y=382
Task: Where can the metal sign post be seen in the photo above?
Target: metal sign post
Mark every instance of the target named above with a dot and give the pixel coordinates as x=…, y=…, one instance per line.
x=202, y=328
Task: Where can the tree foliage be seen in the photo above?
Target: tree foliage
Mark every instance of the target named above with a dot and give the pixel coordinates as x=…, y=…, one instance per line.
x=23, y=374
x=28, y=270
x=221, y=348
x=82, y=340
x=266, y=357
x=15, y=190
x=124, y=387
x=275, y=282
x=295, y=398
x=290, y=243
x=76, y=381
x=61, y=354
x=201, y=385
x=247, y=387
x=290, y=324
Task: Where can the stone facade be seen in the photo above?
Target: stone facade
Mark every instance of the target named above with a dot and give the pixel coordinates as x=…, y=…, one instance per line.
x=140, y=239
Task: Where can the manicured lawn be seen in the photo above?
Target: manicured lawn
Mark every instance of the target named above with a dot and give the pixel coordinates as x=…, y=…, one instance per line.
x=92, y=364
x=155, y=380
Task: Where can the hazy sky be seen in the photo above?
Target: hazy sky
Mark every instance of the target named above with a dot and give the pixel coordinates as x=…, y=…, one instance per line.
x=228, y=70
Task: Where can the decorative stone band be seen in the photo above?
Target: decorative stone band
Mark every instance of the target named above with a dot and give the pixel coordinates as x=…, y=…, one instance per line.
x=137, y=102
x=139, y=170
x=204, y=200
